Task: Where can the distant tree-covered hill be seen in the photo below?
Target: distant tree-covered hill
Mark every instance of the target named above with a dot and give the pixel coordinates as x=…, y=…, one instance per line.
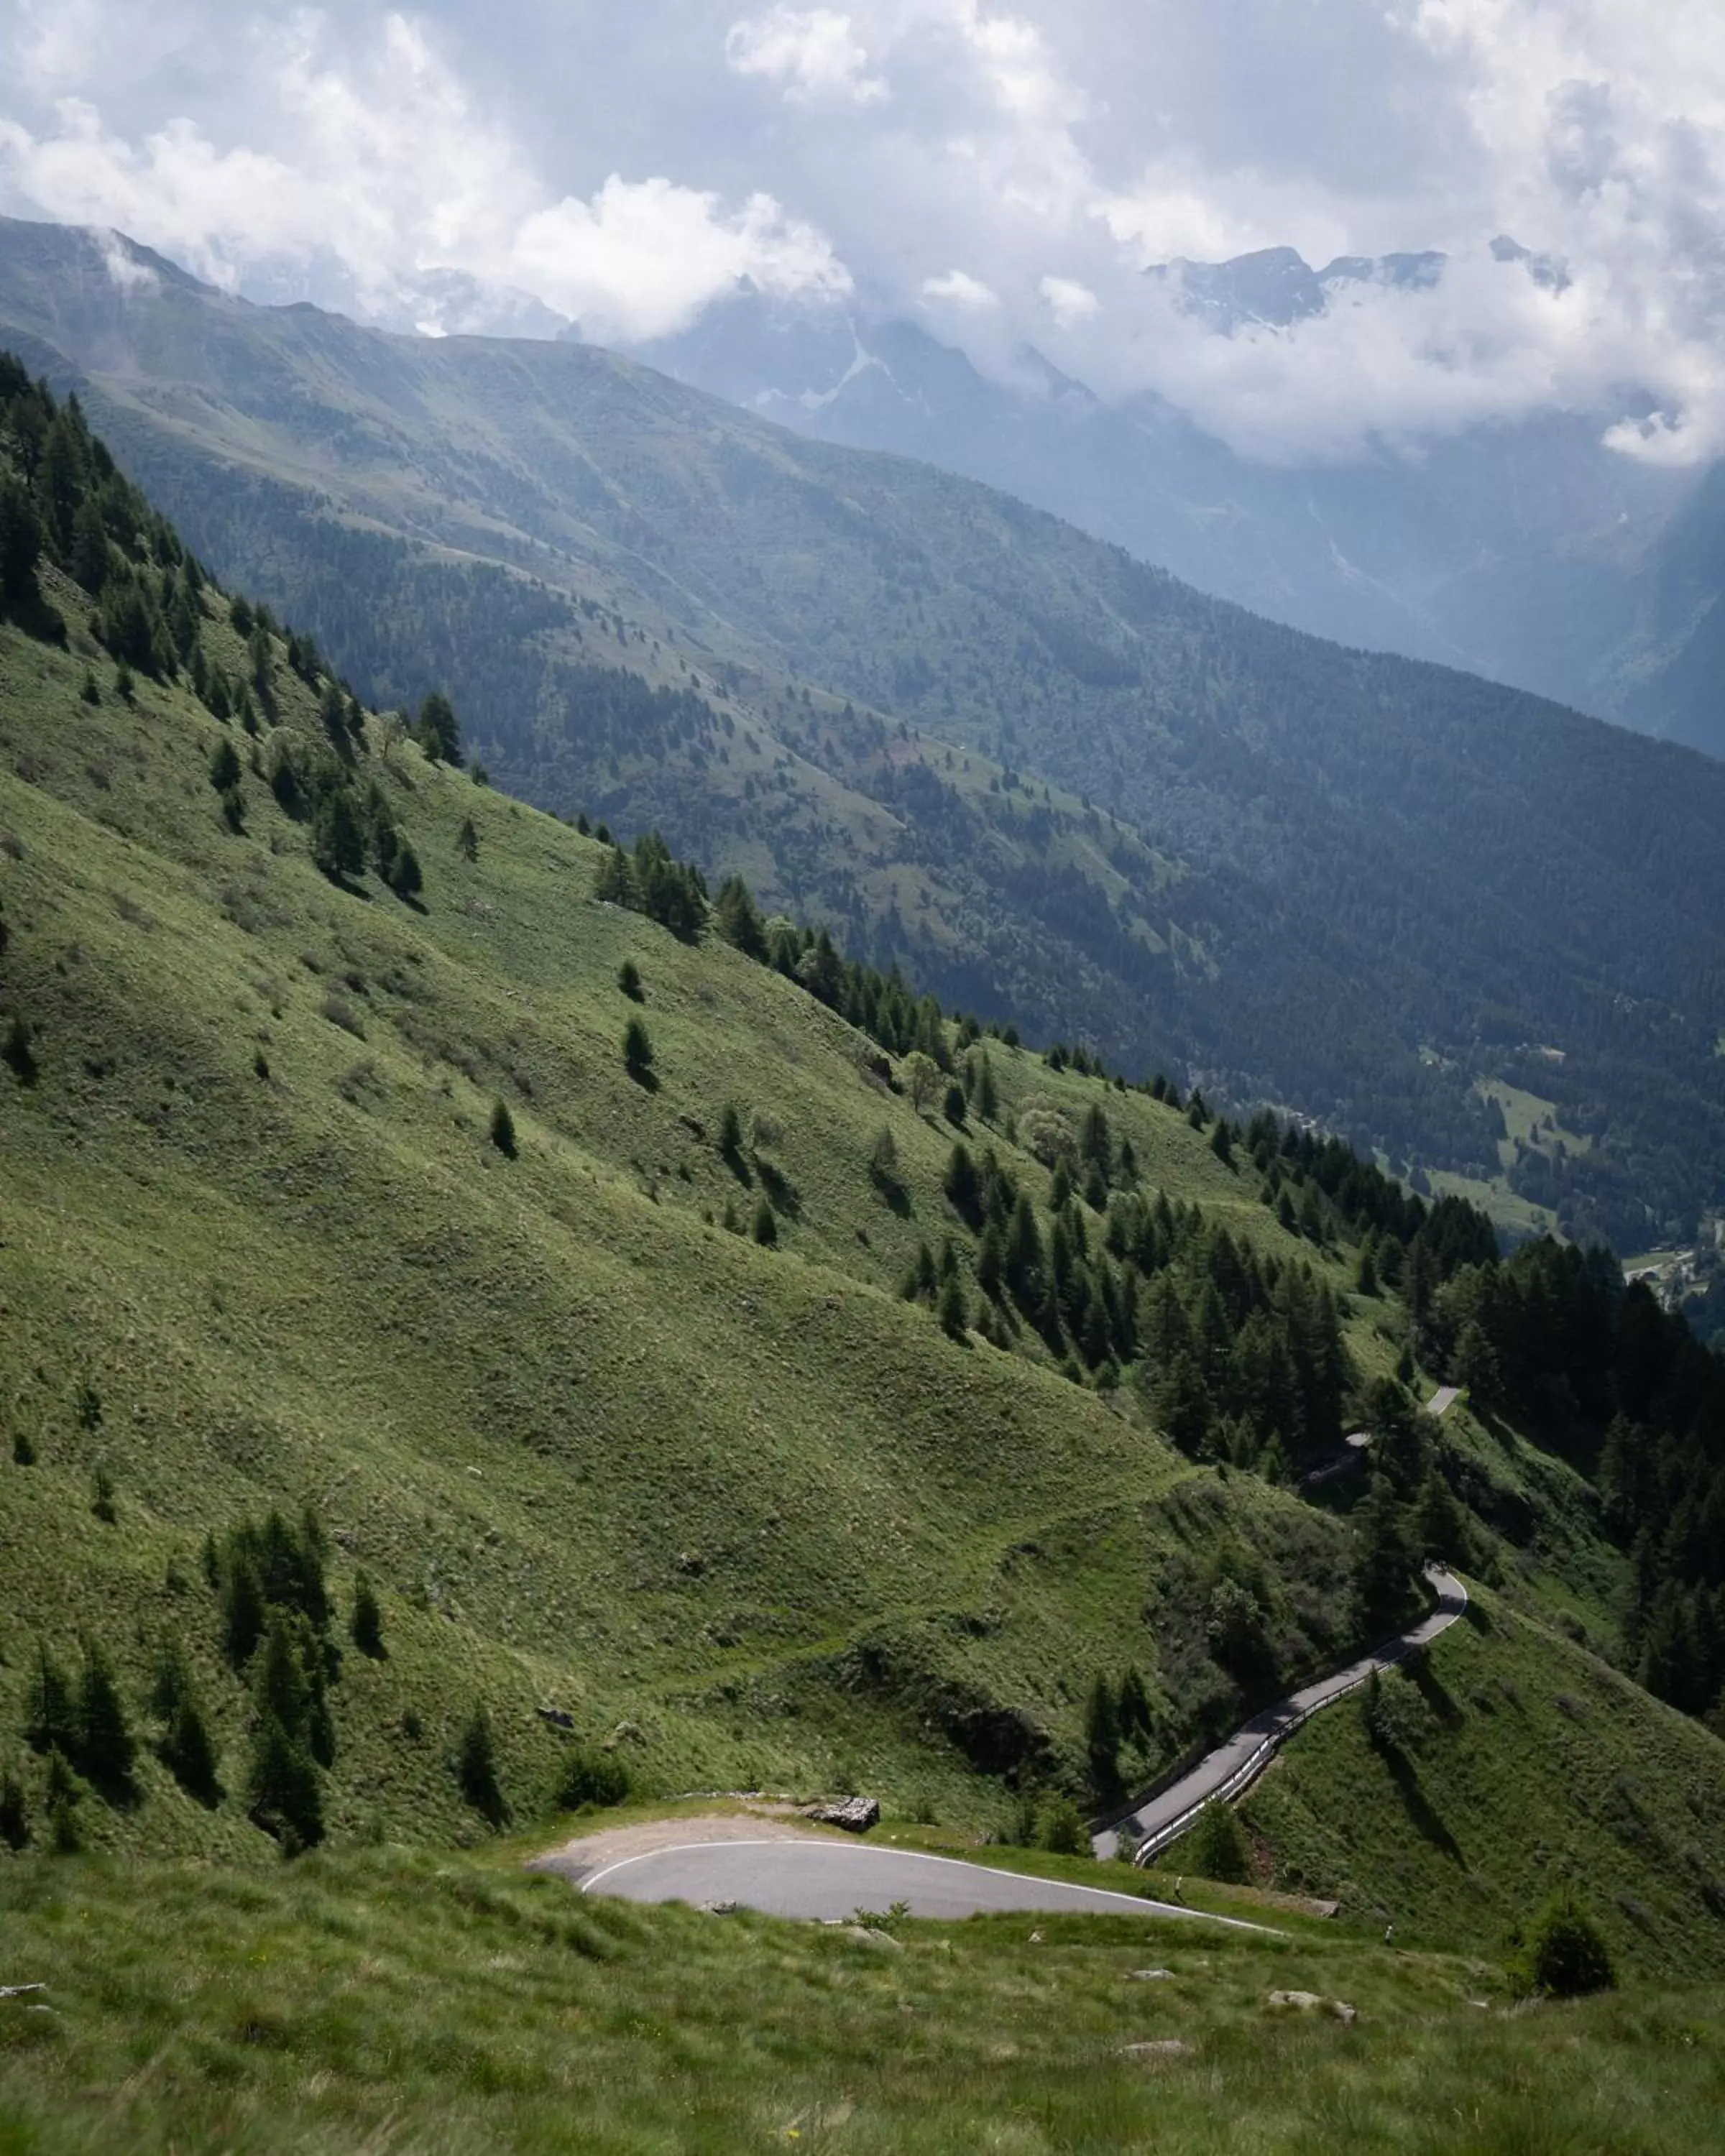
x=1053, y=783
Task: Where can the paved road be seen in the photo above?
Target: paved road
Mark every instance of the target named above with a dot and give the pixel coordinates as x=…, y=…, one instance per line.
x=821, y=1879
x=1234, y=1766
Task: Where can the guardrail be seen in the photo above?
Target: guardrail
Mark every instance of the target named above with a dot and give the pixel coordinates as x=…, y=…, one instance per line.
x=1243, y=1776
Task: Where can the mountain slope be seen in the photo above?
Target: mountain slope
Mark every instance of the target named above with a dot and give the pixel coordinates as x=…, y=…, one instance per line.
x=351, y=1197
x=1511, y=550
x=1354, y=886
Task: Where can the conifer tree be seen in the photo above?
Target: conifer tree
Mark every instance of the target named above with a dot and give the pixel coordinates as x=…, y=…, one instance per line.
x=766, y=1225
x=637, y=1052
x=107, y=1749
x=367, y=1622
x=477, y=1769
x=502, y=1129
x=953, y=1310
x=1102, y=1739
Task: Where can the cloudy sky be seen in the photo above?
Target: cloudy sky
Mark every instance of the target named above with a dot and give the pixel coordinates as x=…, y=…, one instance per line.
x=1004, y=172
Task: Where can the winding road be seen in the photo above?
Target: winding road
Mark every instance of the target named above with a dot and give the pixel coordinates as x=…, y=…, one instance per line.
x=816, y=1878
x=1235, y=1765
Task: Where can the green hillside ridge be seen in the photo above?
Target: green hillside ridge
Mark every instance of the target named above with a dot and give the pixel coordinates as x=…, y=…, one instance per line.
x=1347, y=885
x=1523, y=1760
x=746, y=1515
x=595, y=1451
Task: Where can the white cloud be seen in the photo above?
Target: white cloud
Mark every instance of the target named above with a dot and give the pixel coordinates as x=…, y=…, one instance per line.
x=631, y=175
x=392, y=174
x=812, y=52
x=956, y=288
x=1068, y=301
x=640, y=260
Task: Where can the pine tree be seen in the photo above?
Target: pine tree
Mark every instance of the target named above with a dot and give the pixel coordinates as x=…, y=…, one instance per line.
x=189, y=1752
x=638, y=1052
x=953, y=1310
x=1440, y=1524
x=987, y=1093
x=467, y=840
x=50, y=1712
x=1134, y=1707
x=628, y=980
x=738, y=919
x=477, y=1769
x=283, y=1790
x=963, y=1188
x=503, y=1129
x=338, y=838
x=730, y=1140
x=366, y=1626
x=404, y=875
x=107, y=1749
x=63, y=1794
x=14, y=1812
x=1385, y=1566
x=1102, y=1739
x=766, y=1225
x=439, y=731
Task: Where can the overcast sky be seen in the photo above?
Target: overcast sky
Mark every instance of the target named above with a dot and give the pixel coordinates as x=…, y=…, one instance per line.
x=1003, y=172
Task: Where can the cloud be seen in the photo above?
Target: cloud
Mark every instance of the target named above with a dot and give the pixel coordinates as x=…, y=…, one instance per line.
x=1068, y=301
x=632, y=174
x=641, y=261
x=392, y=174
x=956, y=288
x=812, y=53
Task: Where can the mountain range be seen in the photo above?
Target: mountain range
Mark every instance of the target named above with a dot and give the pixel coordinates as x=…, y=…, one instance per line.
x=1478, y=934
x=1527, y=551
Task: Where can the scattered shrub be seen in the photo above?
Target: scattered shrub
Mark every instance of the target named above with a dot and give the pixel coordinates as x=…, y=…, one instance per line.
x=1216, y=1847
x=1060, y=1828
x=1566, y=1955
x=586, y=1777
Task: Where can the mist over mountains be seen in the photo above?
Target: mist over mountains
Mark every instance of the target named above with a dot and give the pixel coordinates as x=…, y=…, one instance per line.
x=1527, y=551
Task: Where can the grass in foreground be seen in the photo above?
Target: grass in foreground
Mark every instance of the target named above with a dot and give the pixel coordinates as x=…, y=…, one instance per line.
x=386, y=2001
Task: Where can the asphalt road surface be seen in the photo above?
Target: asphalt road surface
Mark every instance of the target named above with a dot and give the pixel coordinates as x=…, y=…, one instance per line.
x=1233, y=1766
x=829, y=1880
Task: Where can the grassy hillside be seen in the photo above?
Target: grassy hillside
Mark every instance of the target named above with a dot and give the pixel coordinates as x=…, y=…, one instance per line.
x=1525, y=1760
x=383, y=1998
x=748, y=1507
x=1348, y=884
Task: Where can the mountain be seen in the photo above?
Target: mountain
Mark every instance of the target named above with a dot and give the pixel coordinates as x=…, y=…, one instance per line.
x=1476, y=933
x=491, y=1329
x=1511, y=550
x=1671, y=665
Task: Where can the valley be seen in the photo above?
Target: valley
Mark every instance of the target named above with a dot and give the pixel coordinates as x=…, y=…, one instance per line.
x=1029, y=771
x=511, y=1329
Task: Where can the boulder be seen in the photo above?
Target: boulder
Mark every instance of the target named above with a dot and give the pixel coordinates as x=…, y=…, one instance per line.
x=1312, y=2002
x=856, y=1815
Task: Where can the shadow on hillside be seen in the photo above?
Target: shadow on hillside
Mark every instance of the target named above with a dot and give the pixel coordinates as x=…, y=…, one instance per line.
x=1433, y=1692
x=786, y=1198
x=1418, y=1806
